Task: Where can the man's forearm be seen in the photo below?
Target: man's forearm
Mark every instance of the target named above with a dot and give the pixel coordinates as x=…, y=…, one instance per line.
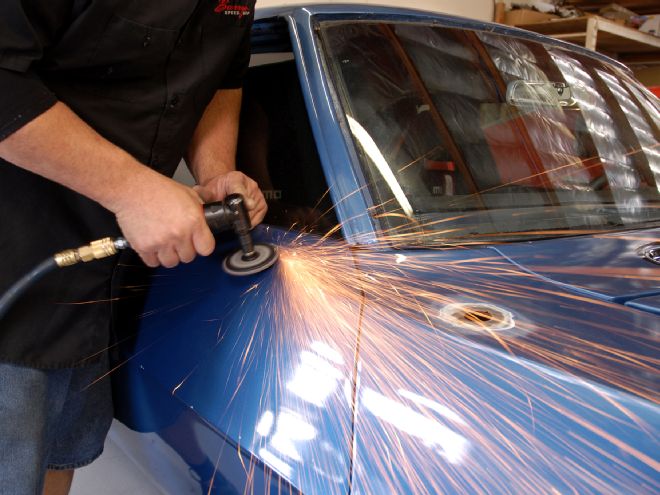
x=162, y=220
x=212, y=155
x=58, y=145
x=212, y=151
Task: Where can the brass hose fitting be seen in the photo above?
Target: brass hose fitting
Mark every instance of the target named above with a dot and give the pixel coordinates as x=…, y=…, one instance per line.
x=96, y=250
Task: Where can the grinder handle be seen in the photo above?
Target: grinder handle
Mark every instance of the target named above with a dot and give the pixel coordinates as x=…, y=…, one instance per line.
x=219, y=216
x=228, y=214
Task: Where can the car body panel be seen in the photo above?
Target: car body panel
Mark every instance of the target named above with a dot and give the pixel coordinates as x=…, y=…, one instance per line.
x=650, y=304
x=483, y=422
x=607, y=266
x=549, y=397
x=251, y=364
x=525, y=409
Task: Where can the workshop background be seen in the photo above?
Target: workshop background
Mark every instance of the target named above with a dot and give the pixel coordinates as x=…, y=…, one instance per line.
x=628, y=30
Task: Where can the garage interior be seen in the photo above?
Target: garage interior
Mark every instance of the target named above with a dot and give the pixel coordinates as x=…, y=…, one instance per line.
x=628, y=30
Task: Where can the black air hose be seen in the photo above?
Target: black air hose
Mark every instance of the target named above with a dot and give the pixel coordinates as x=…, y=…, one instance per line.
x=94, y=251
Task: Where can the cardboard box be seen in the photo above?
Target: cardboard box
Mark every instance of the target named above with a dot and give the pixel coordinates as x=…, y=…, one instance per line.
x=651, y=25
x=527, y=16
x=615, y=12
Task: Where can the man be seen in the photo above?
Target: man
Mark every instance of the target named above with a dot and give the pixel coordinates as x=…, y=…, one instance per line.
x=99, y=100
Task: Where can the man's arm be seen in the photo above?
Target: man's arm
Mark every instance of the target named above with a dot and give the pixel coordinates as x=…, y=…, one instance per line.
x=212, y=155
x=161, y=219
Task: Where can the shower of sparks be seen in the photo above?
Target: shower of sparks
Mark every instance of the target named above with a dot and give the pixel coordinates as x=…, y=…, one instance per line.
x=388, y=303
x=363, y=329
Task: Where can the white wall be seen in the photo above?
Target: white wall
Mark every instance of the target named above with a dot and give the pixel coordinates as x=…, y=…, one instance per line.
x=475, y=9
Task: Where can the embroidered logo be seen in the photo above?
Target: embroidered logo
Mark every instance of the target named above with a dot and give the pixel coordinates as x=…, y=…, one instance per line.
x=225, y=8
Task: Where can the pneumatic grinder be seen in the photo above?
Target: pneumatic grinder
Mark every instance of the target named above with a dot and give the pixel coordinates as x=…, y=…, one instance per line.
x=231, y=214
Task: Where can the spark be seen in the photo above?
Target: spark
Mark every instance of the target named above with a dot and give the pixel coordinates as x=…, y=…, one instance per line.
x=379, y=335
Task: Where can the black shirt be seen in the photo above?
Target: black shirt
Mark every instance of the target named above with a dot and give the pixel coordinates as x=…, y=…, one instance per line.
x=141, y=74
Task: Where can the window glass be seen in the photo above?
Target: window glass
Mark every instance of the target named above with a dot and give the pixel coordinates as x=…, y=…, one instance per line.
x=474, y=135
x=276, y=148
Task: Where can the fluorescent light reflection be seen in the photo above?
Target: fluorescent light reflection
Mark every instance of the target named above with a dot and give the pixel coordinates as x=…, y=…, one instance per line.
x=448, y=443
x=275, y=462
x=291, y=428
x=265, y=424
x=315, y=379
x=323, y=349
x=444, y=411
x=373, y=152
x=291, y=437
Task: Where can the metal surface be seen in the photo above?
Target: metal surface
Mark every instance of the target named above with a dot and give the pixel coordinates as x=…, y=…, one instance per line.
x=96, y=250
x=231, y=364
x=610, y=269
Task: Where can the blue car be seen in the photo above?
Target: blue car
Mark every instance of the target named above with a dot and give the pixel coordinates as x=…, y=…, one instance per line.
x=467, y=295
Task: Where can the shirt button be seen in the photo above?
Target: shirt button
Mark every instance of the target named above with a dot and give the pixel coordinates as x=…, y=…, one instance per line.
x=147, y=40
x=174, y=101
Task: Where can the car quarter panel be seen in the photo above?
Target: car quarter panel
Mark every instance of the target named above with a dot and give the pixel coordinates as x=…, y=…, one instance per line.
x=254, y=359
x=478, y=377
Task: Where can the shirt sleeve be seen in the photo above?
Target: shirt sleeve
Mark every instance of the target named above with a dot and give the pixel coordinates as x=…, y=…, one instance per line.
x=239, y=66
x=27, y=29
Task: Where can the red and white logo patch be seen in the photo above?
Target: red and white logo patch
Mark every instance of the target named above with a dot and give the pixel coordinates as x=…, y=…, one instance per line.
x=225, y=8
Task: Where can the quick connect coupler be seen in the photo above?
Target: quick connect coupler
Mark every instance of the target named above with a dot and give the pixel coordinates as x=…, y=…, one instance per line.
x=96, y=250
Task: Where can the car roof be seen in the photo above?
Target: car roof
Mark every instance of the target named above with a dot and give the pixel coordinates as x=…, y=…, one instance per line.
x=475, y=9
x=393, y=13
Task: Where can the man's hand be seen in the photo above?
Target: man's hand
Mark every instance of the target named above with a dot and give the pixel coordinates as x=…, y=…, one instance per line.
x=163, y=221
x=212, y=152
x=220, y=186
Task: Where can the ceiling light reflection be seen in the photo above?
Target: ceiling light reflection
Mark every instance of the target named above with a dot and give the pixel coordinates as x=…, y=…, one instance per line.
x=291, y=428
x=275, y=462
x=315, y=379
x=444, y=411
x=265, y=424
x=452, y=446
x=373, y=152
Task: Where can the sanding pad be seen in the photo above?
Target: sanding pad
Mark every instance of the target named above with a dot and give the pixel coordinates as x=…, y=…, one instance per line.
x=237, y=264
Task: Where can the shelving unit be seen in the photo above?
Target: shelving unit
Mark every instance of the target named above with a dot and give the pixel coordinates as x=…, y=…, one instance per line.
x=640, y=7
x=597, y=33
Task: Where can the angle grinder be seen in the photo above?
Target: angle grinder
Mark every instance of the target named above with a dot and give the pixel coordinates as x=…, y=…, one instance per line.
x=231, y=214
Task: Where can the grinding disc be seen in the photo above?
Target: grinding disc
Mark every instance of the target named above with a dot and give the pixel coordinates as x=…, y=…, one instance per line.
x=236, y=264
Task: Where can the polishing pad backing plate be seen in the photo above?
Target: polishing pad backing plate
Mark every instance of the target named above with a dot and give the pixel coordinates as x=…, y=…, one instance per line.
x=236, y=264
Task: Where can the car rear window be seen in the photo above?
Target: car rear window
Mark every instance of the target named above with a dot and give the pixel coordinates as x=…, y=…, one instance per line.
x=475, y=135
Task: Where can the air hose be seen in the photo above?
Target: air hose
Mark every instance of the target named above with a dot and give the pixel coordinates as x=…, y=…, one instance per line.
x=96, y=250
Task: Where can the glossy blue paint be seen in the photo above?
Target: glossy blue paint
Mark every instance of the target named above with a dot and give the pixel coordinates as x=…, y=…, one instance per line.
x=502, y=425
x=218, y=353
x=583, y=259
x=218, y=356
x=646, y=303
x=402, y=403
